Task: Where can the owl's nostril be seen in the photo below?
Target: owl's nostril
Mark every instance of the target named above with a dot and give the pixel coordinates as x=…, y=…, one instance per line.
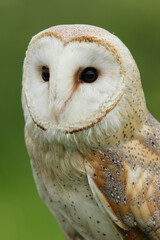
x=45, y=73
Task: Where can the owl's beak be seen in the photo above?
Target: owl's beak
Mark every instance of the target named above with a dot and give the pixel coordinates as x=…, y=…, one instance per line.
x=59, y=108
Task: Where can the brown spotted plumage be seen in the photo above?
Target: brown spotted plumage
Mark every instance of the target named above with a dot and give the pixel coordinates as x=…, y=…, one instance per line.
x=94, y=147
x=127, y=181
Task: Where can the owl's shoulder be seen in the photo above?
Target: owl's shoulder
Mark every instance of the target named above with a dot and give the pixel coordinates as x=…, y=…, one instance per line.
x=148, y=137
x=126, y=180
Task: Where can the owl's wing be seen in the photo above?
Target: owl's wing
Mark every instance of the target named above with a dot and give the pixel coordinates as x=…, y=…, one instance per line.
x=126, y=183
x=96, y=179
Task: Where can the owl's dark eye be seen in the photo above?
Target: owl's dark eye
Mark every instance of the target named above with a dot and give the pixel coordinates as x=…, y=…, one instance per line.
x=89, y=75
x=45, y=73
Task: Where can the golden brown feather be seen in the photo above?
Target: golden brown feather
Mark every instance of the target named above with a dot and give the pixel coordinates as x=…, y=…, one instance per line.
x=128, y=180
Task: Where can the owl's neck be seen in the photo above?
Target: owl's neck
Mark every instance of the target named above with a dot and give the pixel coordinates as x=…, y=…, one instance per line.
x=64, y=154
x=62, y=164
x=120, y=125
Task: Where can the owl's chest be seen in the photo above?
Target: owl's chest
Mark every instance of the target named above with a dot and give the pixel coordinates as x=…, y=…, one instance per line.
x=76, y=205
x=67, y=193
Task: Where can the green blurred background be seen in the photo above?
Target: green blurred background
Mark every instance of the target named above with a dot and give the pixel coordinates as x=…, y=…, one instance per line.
x=23, y=216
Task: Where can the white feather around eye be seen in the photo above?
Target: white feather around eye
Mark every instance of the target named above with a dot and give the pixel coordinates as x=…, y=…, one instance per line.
x=92, y=100
x=36, y=90
x=55, y=104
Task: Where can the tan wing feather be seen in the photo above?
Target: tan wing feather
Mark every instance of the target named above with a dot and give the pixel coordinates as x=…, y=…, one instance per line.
x=127, y=182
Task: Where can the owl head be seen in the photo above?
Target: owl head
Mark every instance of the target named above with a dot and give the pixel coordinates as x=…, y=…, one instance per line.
x=81, y=81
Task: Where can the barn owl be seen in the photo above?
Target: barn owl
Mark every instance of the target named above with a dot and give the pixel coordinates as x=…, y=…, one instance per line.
x=94, y=147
